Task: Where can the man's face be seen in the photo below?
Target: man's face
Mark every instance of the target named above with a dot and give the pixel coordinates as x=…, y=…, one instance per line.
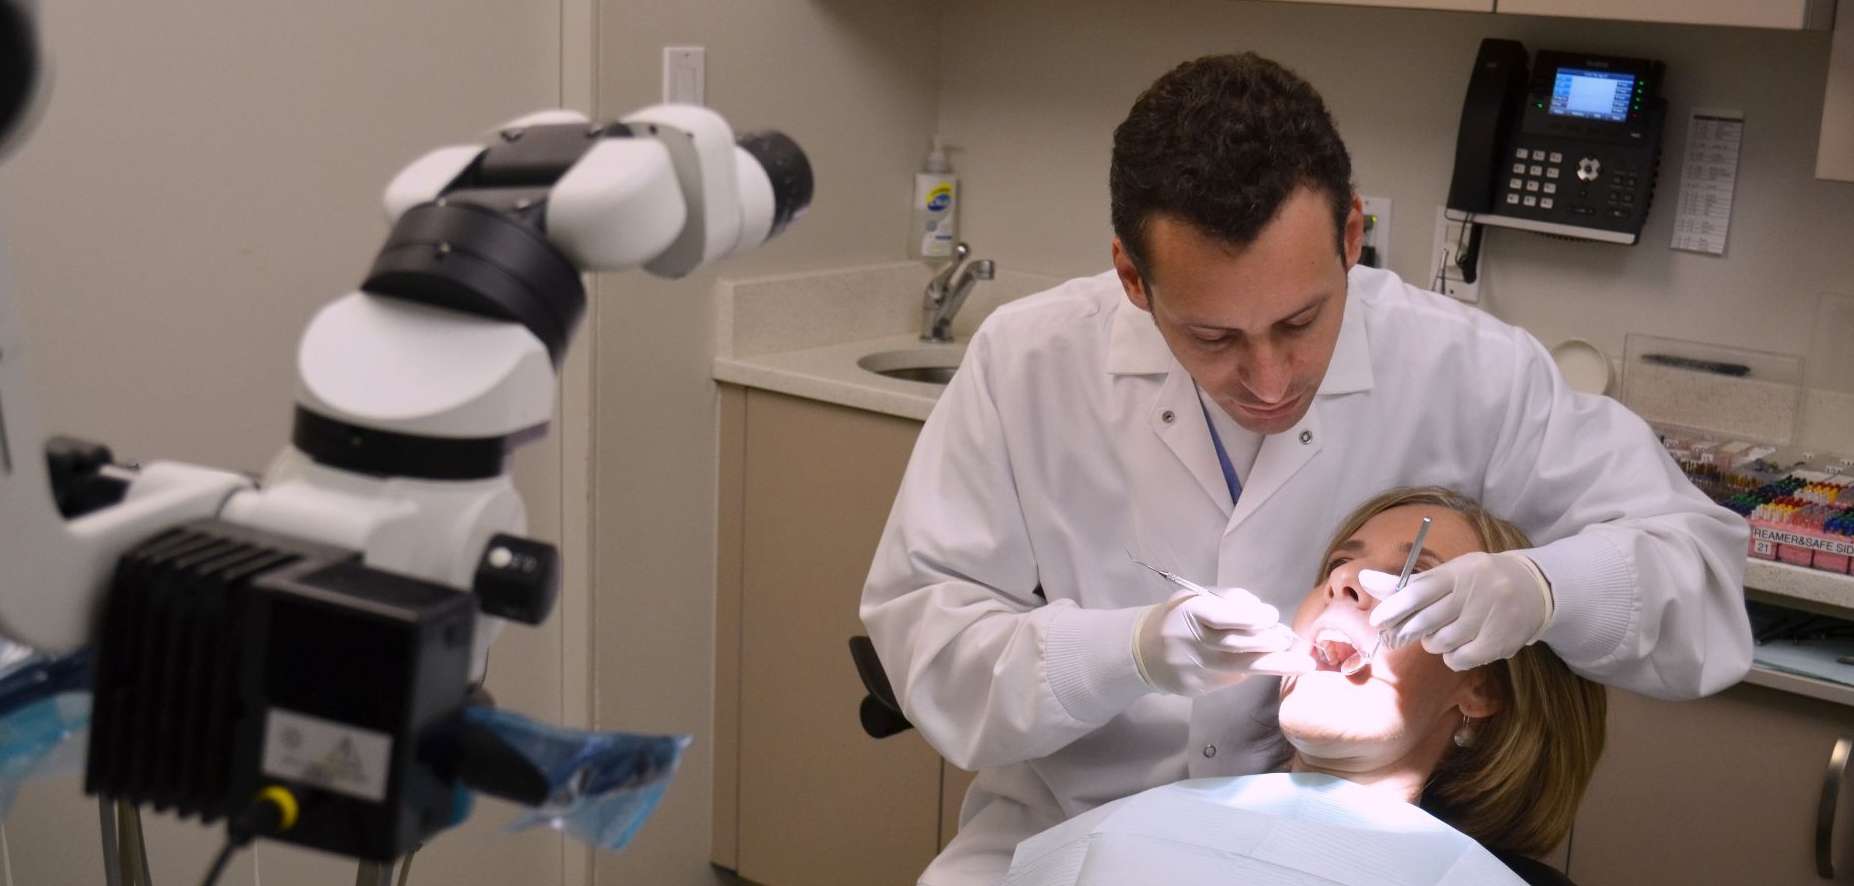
x=1254, y=324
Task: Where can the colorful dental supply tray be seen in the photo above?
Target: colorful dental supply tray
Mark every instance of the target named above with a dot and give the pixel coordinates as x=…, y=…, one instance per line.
x=1800, y=504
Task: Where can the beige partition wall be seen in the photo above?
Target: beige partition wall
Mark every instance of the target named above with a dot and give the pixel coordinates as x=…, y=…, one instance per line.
x=207, y=174
x=854, y=82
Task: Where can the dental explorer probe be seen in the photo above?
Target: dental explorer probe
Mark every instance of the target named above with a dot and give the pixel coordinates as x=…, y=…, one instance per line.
x=1174, y=578
x=1294, y=640
x=1356, y=662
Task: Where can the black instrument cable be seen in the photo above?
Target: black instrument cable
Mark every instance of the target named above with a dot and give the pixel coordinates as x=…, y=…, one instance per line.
x=271, y=812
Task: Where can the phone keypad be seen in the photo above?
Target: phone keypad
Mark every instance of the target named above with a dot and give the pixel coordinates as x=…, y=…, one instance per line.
x=1537, y=174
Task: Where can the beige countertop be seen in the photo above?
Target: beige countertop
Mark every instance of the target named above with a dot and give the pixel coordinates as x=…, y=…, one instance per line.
x=802, y=334
x=831, y=374
x=1800, y=583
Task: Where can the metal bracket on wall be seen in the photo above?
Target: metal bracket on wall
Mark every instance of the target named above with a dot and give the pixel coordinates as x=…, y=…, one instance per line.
x=1455, y=236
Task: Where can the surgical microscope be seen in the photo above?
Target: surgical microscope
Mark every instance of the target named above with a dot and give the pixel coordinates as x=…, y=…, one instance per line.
x=291, y=653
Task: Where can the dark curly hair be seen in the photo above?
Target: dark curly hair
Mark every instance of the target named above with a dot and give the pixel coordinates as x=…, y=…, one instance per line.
x=1220, y=143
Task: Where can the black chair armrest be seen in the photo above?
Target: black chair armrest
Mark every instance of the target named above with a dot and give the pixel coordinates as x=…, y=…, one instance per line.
x=880, y=711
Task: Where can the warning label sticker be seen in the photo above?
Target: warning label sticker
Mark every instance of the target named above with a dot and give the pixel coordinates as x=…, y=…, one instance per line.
x=327, y=754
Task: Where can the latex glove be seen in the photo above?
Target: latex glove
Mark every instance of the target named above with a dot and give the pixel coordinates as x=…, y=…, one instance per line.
x=1196, y=643
x=1474, y=609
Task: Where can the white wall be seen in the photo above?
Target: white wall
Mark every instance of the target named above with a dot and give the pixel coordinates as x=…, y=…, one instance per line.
x=208, y=173
x=853, y=82
x=1032, y=91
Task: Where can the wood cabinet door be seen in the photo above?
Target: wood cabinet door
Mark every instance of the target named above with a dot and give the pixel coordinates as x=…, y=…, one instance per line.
x=1722, y=790
x=820, y=802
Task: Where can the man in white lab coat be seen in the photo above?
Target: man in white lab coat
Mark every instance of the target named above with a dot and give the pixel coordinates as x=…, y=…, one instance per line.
x=1214, y=406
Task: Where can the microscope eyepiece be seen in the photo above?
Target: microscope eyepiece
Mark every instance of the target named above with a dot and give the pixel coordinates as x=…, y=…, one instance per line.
x=19, y=65
x=787, y=170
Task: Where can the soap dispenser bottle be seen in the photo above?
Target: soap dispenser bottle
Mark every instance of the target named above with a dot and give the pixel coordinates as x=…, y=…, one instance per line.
x=936, y=197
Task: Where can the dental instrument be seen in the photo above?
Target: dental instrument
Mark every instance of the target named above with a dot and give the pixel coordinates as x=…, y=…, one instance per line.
x=1357, y=661
x=1294, y=640
x=1174, y=578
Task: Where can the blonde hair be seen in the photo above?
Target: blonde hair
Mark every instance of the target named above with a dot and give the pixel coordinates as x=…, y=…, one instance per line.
x=1516, y=787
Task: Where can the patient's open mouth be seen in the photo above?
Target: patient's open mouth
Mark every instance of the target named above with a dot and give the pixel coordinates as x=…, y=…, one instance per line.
x=1332, y=648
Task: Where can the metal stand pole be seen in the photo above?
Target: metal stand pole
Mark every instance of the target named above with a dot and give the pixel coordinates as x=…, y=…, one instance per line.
x=125, y=853
x=112, y=863
x=373, y=873
x=130, y=846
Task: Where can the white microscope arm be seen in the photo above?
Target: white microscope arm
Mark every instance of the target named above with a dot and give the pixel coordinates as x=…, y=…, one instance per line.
x=411, y=391
x=676, y=194
x=247, y=602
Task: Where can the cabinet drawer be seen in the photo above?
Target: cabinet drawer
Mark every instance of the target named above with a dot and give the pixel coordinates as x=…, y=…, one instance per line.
x=1722, y=790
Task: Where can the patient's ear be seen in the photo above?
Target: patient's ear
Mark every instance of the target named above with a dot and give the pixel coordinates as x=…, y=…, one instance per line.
x=1479, y=695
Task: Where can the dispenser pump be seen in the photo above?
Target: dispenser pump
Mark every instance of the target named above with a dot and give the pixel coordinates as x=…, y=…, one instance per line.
x=936, y=189
x=936, y=158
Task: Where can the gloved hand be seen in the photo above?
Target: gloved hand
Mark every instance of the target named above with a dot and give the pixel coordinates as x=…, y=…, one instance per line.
x=1472, y=610
x=1196, y=643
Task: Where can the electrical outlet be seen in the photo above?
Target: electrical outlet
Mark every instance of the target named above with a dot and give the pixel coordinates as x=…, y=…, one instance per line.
x=1444, y=275
x=684, y=74
x=1377, y=231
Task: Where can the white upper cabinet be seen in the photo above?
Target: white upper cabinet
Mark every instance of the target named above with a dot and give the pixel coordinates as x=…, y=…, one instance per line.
x=1454, y=5
x=1794, y=15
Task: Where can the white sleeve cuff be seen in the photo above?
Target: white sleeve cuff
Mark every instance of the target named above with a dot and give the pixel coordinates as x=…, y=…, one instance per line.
x=1595, y=599
x=1088, y=660
x=1544, y=589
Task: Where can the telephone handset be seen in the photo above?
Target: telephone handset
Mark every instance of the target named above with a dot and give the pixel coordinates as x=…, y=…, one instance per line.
x=1569, y=145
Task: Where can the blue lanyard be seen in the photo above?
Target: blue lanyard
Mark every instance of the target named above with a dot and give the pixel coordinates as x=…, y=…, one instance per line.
x=1223, y=456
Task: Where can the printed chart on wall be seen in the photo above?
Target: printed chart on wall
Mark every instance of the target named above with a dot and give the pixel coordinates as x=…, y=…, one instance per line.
x=1708, y=176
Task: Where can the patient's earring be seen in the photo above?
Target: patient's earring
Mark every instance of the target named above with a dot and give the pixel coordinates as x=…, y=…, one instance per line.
x=1464, y=736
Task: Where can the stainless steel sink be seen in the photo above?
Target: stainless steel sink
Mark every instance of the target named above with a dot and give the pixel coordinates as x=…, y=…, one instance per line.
x=934, y=366
x=933, y=375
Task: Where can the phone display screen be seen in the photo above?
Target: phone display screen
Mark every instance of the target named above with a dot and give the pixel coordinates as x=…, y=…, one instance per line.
x=1594, y=95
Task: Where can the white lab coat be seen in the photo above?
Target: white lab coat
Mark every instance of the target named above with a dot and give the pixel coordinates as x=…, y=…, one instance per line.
x=1071, y=437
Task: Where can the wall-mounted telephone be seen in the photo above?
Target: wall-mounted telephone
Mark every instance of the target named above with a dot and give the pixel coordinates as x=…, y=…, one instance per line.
x=1568, y=145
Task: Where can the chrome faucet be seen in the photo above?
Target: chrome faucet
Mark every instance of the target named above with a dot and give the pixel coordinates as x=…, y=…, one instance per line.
x=947, y=292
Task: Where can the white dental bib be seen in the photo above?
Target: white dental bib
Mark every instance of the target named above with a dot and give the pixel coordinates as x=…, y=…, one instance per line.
x=1279, y=829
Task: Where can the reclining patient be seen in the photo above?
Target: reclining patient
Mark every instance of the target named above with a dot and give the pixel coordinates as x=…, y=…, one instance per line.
x=1404, y=772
